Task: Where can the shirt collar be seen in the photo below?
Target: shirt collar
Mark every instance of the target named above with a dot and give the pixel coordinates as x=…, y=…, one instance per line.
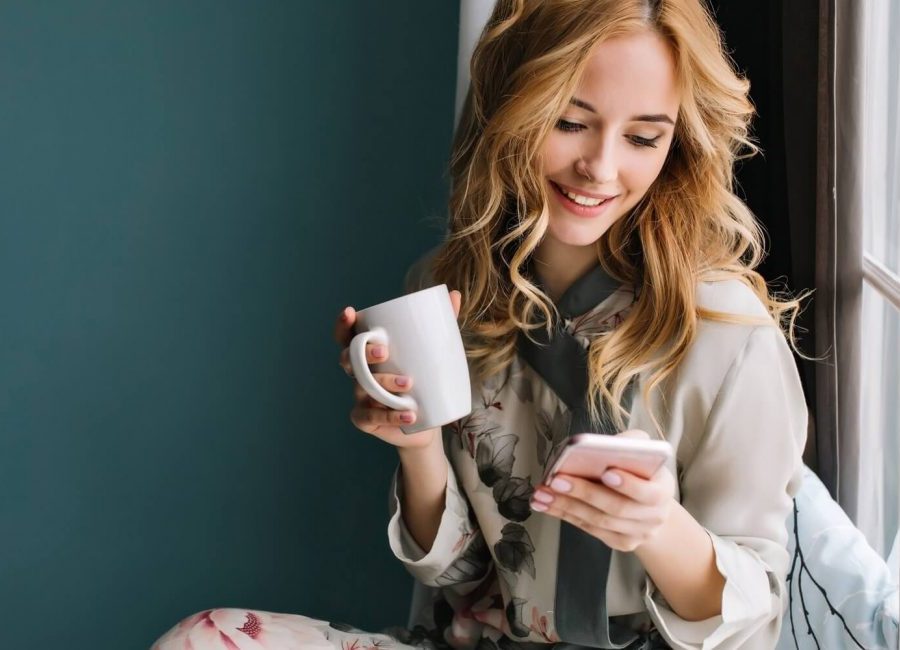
x=588, y=291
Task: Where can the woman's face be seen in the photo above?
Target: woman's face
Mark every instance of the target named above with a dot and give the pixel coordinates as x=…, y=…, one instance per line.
x=612, y=140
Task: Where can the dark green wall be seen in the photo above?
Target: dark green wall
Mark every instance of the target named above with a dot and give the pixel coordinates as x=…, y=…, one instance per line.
x=189, y=192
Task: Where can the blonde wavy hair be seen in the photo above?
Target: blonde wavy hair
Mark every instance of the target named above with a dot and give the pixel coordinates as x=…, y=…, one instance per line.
x=690, y=226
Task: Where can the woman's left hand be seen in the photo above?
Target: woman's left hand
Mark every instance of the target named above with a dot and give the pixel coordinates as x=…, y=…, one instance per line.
x=623, y=515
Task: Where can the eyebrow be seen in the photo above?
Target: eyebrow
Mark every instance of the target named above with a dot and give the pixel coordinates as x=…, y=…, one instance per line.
x=659, y=117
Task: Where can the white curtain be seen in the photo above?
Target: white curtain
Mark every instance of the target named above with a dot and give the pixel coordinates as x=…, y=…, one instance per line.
x=875, y=499
x=473, y=16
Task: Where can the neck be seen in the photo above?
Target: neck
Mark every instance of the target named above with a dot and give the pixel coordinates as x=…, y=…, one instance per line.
x=558, y=265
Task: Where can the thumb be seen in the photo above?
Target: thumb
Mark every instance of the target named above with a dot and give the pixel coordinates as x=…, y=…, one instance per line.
x=456, y=301
x=634, y=433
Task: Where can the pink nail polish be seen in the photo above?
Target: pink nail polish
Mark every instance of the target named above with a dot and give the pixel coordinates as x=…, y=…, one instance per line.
x=543, y=497
x=611, y=479
x=560, y=485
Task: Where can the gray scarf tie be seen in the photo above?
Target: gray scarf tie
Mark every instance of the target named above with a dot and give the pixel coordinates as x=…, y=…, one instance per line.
x=583, y=560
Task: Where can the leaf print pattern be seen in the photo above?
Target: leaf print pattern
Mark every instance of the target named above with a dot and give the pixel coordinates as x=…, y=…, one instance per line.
x=540, y=626
x=515, y=550
x=469, y=429
x=495, y=458
x=472, y=565
x=374, y=644
x=520, y=383
x=552, y=433
x=512, y=496
x=514, y=617
x=490, y=391
x=464, y=538
x=606, y=317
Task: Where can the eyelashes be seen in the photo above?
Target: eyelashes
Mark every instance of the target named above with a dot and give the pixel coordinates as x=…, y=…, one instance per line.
x=644, y=142
x=564, y=125
x=638, y=141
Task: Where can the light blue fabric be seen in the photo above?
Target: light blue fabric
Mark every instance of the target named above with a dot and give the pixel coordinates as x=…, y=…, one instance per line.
x=856, y=581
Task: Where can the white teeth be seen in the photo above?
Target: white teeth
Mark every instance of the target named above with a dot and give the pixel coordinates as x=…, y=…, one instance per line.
x=582, y=200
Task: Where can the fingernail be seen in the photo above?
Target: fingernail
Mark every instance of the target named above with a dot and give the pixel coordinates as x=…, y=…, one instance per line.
x=406, y=417
x=611, y=479
x=401, y=381
x=344, y=315
x=560, y=485
x=540, y=507
x=543, y=497
x=378, y=351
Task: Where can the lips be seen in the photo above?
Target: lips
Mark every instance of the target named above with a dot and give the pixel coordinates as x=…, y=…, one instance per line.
x=582, y=210
x=580, y=192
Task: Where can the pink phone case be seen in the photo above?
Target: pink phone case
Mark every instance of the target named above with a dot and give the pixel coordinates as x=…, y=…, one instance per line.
x=589, y=455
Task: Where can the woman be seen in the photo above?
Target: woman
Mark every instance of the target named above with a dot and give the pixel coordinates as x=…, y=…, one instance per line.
x=605, y=282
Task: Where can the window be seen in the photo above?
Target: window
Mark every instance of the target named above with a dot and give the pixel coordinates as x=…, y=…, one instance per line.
x=880, y=326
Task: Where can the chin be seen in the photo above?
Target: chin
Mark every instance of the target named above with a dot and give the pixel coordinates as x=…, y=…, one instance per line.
x=577, y=234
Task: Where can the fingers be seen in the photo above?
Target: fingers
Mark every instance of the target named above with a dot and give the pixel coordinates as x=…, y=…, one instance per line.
x=571, y=492
x=369, y=419
x=391, y=383
x=456, y=301
x=652, y=491
x=343, y=327
x=593, y=520
x=375, y=353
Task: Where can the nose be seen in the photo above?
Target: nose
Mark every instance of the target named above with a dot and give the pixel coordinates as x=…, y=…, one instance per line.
x=598, y=162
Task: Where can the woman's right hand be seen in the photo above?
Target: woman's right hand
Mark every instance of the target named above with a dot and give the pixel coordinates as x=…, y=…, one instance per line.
x=369, y=415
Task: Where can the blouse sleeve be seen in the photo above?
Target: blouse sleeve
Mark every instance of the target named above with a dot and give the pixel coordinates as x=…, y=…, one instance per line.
x=459, y=553
x=740, y=486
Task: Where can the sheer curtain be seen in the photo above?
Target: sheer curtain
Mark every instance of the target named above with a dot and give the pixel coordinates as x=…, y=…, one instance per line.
x=473, y=16
x=875, y=500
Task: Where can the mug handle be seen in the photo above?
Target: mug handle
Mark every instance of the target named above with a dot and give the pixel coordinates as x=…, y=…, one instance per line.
x=364, y=376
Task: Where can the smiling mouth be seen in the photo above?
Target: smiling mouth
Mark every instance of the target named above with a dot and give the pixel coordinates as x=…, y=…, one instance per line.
x=588, y=208
x=582, y=199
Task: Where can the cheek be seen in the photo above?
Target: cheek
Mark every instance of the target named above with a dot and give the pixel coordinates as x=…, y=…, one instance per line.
x=639, y=174
x=557, y=152
x=642, y=170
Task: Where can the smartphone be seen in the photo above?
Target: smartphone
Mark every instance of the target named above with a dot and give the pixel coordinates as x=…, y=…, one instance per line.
x=589, y=455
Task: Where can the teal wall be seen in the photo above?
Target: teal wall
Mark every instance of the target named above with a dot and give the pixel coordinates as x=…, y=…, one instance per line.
x=189, y=192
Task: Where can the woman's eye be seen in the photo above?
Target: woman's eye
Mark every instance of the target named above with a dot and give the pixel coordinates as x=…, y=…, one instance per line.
x=644, y=142
x=564, y=125
x=636, y=140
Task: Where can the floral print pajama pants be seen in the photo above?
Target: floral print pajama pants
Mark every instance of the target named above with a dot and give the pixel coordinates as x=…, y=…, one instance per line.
x=243, y=629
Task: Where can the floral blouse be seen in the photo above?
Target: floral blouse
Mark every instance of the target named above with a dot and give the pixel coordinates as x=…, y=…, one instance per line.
x=735, y=414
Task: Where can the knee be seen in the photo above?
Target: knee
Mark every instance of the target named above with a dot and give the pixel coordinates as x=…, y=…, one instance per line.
x=211, y=629
x=234, y=628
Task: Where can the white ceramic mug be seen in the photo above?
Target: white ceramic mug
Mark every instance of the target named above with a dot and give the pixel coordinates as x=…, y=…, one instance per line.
x=424, y=343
